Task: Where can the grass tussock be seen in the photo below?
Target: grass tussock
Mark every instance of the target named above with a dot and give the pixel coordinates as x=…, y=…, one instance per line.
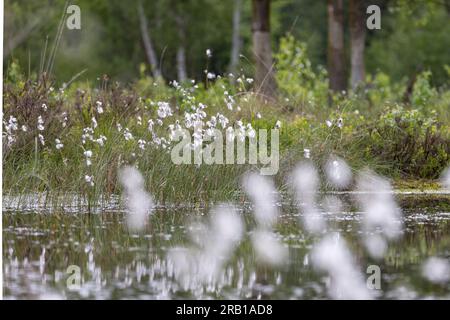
x=73, y=139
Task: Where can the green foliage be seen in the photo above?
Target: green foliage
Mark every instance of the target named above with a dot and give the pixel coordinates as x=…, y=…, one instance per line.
x=295, y=76
x=372, y=126
x=411, y=142
x=382, y=89
x=414, y=37
x=423, y=92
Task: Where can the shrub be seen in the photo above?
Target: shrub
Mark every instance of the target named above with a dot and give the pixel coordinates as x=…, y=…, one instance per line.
x=296, y=78
x=413, y=143
x=423, y=92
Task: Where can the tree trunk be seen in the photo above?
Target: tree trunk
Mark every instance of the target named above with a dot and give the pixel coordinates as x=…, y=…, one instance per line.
x=264, y=72
x=180, y=23
x=148, y=46
x=15, y=40
x=181, y=64
x=357, y=42
x=336, y=57
x=236, y=37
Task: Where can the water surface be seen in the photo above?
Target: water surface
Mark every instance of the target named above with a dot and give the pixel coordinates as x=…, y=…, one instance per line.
x=39, y=246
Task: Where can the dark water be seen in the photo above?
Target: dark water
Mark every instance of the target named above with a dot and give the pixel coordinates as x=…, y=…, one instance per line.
x=39, y=247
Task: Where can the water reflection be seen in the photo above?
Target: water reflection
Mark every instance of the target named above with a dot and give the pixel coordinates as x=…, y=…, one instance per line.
x=116, y=263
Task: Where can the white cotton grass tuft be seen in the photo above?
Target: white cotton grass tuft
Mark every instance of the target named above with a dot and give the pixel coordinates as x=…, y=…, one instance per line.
x=88, y=155
x=40, y=124
x=59, y=144
x=332, y=256
x=305, y=181
x=41, y=139
x=376, y=245
x=139, y=203
x=263, y=194
x=99, y=107
x=89, y=180
x=307, y=153
x=268, y=249
x=436, y=270
x=213, y=245
x=376, y=199
x=384, y=215
x=338, y=172
x=185, y=266
x=380, y=212
x=226, y=224
x=445, y=178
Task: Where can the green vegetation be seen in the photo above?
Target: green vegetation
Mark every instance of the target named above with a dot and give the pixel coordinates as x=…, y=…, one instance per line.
x=67, y=130
x=373, y=129
x=413, y=36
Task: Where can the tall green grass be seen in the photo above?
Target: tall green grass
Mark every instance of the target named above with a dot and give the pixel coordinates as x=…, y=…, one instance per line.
x=371, y=127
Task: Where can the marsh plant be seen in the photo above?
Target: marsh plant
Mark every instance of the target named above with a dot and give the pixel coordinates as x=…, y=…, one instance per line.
x=235, y=142
x=203, y=265
x=85, y=132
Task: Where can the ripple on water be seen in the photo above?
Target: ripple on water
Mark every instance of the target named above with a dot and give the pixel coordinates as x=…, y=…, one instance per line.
x=115, y=263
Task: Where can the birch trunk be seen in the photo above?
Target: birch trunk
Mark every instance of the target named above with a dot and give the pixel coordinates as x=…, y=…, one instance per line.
x=336, y=57
x=236, y=37
x=264, y=70
x=181, y=64
x=148, y=46
x=357, y=42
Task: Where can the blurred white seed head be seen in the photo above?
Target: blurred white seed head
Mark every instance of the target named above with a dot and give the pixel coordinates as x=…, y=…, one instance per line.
x=307, y=153
x=268, y=249
x=184, y=264
x=338, y=172
x=89, y=180
x=226, y=224
x=380, y=210
x=94, y=122
x=59, y=144
x=384, y=215
x=139, y=202
x=99, y=107
x=376, y=245
x=305, y=181
x=371, y=185
x=445, y=178
x=213, y=246
x=264, y=196
x=332, y=256
x=436, y=270
x=131, y=179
